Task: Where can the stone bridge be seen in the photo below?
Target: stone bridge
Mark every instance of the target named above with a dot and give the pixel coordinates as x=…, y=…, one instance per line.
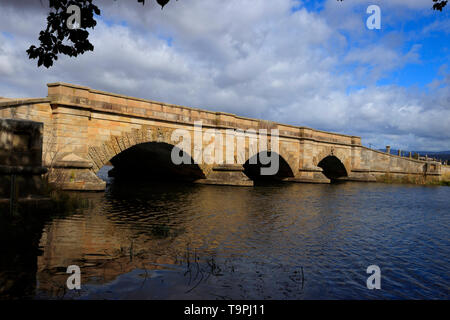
x=85, y=129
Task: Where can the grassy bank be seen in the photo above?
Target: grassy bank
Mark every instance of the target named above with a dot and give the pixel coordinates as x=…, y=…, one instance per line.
x=445, y=179
x=414, y=179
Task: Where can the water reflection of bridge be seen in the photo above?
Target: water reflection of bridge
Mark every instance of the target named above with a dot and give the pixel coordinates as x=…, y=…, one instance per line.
x=113, y=238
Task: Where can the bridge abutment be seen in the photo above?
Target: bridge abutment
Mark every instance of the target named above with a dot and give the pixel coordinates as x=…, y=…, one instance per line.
x=361, y=175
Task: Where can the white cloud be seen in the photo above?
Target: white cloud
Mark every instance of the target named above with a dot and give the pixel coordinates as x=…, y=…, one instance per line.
x=253, y=58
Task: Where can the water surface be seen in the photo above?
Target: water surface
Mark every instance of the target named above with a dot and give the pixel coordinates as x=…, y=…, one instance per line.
x=273, y=241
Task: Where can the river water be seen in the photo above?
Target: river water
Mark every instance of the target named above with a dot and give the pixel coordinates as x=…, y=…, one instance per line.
x=271, y=241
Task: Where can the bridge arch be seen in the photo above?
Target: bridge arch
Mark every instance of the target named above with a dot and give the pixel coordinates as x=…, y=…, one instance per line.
x=143, y=152
x=253, y=166
x=332, y=167
x=342, y=155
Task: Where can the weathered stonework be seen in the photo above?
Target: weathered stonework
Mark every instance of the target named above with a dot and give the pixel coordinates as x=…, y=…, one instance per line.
x=21, y=158
x=84, y=129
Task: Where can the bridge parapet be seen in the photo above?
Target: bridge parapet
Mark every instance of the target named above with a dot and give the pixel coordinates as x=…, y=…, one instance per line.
x=95, y=100
x=382, y=166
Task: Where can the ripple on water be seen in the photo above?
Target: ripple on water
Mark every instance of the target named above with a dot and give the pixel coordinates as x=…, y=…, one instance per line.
x=283, y=241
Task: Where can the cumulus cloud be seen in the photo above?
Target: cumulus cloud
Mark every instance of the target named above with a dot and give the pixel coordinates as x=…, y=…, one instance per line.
x=253, y=58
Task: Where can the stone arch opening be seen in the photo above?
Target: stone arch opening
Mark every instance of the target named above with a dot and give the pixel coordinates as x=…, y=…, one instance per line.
x=333, y=168
x=152, y=161
x=253, y=166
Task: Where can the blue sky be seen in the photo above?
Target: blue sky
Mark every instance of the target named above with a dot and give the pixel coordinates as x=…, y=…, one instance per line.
x=434, y=50
x=306, y=63
x=434, y=45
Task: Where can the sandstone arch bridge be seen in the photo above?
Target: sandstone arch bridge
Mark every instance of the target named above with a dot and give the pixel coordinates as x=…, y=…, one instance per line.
x=84, y=129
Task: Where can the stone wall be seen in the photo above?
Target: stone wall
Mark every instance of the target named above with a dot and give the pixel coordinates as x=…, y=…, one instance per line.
x=38, y=110
x=21, y=157
x=386, y=167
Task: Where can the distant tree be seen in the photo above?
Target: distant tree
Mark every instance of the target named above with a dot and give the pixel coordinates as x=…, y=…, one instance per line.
x=438, y=4
x=58, y=39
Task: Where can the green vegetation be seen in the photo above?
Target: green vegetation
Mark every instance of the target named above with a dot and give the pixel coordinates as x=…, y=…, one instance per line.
x=65, y=202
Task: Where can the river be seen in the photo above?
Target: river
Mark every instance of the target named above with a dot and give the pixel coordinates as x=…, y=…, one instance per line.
x=271, y=241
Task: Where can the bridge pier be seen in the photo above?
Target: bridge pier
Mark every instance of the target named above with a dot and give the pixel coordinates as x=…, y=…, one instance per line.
x=228, y=175
x=311, y=174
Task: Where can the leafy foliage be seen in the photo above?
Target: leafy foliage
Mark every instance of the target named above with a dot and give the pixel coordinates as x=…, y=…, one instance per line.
x=439, y=4
x=57, y=38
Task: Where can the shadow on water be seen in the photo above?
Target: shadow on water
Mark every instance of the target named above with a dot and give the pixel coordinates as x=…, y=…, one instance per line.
x=19, y=245
x=20, y=237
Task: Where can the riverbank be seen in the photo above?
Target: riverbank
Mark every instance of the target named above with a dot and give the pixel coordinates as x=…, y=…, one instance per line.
x=414, y=179
x=58, y=202
x=445, y=178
